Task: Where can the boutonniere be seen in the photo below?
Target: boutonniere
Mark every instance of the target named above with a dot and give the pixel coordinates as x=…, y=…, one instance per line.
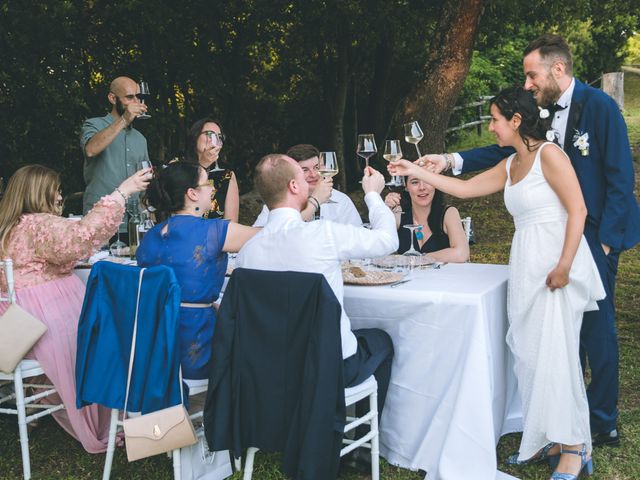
x=581, y=142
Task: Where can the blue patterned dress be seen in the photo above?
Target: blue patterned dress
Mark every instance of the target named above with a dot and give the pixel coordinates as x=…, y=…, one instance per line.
x=192, y=246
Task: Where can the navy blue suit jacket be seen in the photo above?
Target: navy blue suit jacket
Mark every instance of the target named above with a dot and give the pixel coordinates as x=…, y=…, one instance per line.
x=605, y=174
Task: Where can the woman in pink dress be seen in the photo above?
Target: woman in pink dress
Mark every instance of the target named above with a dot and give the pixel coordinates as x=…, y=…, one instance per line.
x=44, y=248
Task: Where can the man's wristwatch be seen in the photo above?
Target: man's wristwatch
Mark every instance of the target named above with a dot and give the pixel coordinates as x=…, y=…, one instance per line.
x=448, y=157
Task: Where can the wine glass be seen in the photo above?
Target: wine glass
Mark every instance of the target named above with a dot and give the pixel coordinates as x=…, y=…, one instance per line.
x=144, y=165
x=144, y=93
x=413, y=134
x=396, y=185
x=117, y=248
x=214, y=140
x=328, y=167
x=366, y=147
x=392, y=151
x=412, y=252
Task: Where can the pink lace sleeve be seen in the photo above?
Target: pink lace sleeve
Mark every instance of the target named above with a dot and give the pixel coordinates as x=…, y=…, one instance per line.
x=60, y=240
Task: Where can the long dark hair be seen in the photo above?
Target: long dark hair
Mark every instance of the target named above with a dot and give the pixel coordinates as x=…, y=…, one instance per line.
x=194, y=133
x=434, y=220
x=169, y=184
x=514, y=100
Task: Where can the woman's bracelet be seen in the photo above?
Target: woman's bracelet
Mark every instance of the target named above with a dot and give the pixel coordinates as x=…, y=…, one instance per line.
x=315, y=202
x=125, y=197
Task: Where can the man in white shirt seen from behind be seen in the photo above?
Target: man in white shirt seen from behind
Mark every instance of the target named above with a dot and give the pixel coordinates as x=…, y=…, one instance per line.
x=340, y=209
x=288, y=243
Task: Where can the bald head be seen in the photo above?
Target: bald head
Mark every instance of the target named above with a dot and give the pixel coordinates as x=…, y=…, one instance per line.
x=273, y=174
x=122, y=86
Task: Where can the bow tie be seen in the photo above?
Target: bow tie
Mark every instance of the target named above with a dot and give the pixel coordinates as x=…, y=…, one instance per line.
x=554, y=108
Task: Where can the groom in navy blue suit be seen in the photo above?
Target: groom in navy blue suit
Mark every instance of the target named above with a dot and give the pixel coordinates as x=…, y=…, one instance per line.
x=587, y=123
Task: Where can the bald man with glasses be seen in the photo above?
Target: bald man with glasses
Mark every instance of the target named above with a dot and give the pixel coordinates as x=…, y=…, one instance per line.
x=112, y=148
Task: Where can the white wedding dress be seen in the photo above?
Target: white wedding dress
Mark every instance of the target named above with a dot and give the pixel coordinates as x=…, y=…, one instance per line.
x=544, y=326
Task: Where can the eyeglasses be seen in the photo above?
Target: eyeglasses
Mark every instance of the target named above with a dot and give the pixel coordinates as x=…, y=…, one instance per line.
x=215, y=137
x=130, y=97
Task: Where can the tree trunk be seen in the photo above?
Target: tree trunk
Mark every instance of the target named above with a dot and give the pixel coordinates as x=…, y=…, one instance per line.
x=431, y=100
x=381, y=76
x=335, y=92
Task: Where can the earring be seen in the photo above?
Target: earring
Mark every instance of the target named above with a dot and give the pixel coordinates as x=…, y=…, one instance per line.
x=197, y=209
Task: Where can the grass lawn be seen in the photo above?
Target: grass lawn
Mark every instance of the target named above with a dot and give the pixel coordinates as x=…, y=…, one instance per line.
x=54, y=455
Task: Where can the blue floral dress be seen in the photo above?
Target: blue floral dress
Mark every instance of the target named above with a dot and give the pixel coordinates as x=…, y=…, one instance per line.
x=192, y=246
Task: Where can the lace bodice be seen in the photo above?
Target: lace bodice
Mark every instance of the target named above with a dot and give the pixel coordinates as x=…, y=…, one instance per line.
x=45, y=247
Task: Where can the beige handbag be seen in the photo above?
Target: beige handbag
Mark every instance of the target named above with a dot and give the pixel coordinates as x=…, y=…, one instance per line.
x=160, y=431
x=19, y=331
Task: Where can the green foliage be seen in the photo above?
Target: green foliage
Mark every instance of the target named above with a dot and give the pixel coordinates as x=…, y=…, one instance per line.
x=275, y=72
x=633, y=50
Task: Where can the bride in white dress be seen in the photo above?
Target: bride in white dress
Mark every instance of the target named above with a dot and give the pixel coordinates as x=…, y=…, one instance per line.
x=553, y=278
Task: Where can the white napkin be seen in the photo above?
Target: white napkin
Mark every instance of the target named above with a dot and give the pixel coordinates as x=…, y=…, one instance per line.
x=96, y=257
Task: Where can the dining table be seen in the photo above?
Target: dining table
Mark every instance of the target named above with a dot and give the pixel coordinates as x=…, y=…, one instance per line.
x=453, y=391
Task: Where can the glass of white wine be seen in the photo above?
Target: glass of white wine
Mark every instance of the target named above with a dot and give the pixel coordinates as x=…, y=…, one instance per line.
x=392, y=151
x=413, y=134
x=328, y=166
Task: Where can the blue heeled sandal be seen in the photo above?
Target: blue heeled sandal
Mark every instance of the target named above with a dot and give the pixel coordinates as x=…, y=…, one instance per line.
x=586, y=465
x=541, y=456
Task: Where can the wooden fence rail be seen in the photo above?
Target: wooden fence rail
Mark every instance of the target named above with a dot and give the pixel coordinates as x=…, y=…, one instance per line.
x=480, y=118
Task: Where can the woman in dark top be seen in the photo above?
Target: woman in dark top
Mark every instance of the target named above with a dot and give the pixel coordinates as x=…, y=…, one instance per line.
x=440, y=233
x=204, y=143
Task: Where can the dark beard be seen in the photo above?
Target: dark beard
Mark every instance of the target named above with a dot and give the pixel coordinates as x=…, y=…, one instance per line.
x=551, y=92
x=119, y=107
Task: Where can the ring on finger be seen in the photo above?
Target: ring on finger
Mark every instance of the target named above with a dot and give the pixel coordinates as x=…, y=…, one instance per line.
x=421, y=163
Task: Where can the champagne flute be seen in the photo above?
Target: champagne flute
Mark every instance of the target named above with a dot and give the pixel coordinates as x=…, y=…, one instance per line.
x=366, y=147
x=413, y=134
x=412, y=252
x=392, y=151
x=328, y=167
x=144, y=93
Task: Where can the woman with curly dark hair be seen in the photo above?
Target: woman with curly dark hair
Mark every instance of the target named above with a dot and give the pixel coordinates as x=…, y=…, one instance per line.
x=553, y=278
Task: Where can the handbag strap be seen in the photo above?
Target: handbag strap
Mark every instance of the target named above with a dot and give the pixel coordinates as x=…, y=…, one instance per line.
x=133, y=348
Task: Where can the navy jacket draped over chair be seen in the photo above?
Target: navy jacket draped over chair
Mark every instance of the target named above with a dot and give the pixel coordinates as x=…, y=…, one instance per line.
x=276, y=378
x=105, y=331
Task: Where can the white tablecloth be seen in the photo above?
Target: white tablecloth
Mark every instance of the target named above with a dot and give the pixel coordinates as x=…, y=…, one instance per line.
x=453, y=391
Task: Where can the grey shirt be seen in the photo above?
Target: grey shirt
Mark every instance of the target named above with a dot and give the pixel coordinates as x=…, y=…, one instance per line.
x=104, y=172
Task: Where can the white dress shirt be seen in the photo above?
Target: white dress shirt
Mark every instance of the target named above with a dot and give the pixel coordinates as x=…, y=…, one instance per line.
x=343, y=211
x=288, y=243
x=559, y=124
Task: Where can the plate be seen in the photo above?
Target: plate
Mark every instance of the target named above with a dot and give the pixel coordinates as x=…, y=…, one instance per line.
x=392, y=261
x=357, y=276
